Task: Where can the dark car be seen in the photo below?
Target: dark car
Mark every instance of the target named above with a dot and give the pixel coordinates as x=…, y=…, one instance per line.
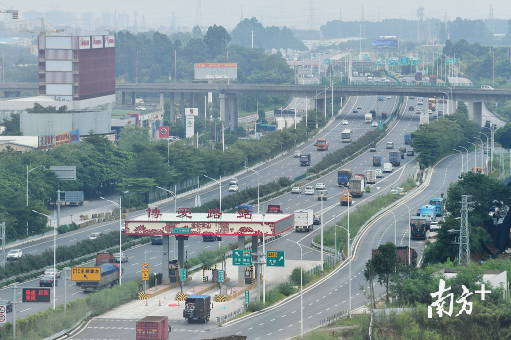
x=411, y=108
x=157, y=239
x=47, y=280
x=384, y=114
x=316, y=220
x=7, y=304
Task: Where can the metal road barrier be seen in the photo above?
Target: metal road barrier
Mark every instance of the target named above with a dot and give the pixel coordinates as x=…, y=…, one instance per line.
x=224, y=318
x=61, y=333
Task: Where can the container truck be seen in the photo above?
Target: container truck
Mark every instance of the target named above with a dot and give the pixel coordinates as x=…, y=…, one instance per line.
x=371, y=176
x=408, y=139
x=274, y=209
x=343, y=177
x=305, y=159
x=403, y=254
x=438, y=203
x=376, y=160
x=109, y=277
x=322, y=144
x=153, y=327
x=368, y=118
x=304, y=220
x=73, y=197
x=432, y=104
x=418, y=75
x=197, y=308
x=394, y=158
x=418, y=227
x=356, y=186
x=429, y=212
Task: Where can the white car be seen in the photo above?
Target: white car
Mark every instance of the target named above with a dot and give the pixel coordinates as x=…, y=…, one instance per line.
x=296, y=190
x=309, y=190
x=140, y=108
x=52, y=273
x=320, y=186
x=374, y=124
x=345, y=122
x=94, y=236
x=233, y=188
x=14, y=254
x=379, y=173
x=233, y=181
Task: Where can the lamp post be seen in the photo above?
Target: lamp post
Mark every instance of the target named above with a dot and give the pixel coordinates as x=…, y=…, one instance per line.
x=257, y=173
x=459, y=146
x=461, y=153
x=220, y=184
x=475, y=155
x=29, y=171
x=120, y=234
x=54, y=253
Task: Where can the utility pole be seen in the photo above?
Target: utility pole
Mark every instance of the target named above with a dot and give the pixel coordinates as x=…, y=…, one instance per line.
x=464, y=250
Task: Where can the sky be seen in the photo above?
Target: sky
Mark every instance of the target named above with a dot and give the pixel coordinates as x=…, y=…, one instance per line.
x=293, y=14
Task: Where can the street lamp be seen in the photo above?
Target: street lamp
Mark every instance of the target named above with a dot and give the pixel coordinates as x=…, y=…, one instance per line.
x=475, y=154
x=257, y=173
x=29, y=171
x=54, y=253
x=120, y=234
x=459, y=146
x=220, y=184
x=461, y=153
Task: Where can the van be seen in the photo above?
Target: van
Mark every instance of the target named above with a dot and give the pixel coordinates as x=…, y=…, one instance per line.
x=486, y=87
x=388, y=167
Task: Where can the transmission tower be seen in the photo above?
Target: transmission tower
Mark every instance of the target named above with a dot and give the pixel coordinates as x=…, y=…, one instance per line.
x=241, y=18
x=310, y=22
x=198, y=15
x=420, y=17
x=362, y=27
x=492, y=23
x=464, y=251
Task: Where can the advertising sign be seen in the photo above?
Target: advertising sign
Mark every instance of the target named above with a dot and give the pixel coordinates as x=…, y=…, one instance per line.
x=74, y=136
x=36, y=295
x=62, y=138
x=97, y=41
x=191, y=112
x=164, y=132
x=190, y=131
x=46, y=141
x=84, y=43
x=109, y=40
x=85, y=274
x=384, y=44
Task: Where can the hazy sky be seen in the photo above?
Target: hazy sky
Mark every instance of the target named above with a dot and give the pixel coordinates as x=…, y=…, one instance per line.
x=272, y=12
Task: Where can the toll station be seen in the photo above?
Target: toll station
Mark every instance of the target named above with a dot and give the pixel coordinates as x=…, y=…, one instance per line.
x=184, y=224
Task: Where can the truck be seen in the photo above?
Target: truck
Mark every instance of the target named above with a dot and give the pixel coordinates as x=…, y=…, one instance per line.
x=402, y=253
x=305, y=159
x=376, y=160
x=429, y=212
x=394, y=158
x=418, y=76
x=368, y=118
x=356, y=186
x=371, y=176
x=418, y=227
x=438, y=203
x=304, y=220
x=73, y=197
x=322, y=144
x=153, y=327
x=274, y=209
x=109, y=277
x=424, y=118
x=197, y=308
x=322, y=195
x=432, y=104
x=345, y=198
x=343, y=177
x=432, y=79
x=408, y=138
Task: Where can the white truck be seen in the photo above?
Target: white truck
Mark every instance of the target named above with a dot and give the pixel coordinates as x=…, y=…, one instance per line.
x=304, y=220
x=371, y=176
x=388, y=167
x=368, y=118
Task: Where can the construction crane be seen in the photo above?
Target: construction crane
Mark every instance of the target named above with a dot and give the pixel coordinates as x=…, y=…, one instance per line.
x=13, y=11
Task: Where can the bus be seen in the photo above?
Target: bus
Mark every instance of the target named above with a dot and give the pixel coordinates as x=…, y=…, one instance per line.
x=346, y=136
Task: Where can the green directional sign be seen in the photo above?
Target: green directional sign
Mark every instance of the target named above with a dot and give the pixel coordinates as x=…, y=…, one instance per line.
x=182, y=274
x=247, y=297
x=220, y=275
x=275, y=258
x=380, y=124
x=241, y=257
x=181, y=230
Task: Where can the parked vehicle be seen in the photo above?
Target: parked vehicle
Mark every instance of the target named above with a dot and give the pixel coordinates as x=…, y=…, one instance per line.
x=14, y=254
x=403, y=254
x=197, y=308
x=48, y=281
x=343, y=177
x=345, y=198
x=322, y=195
x=408, y=138
x=394, y=158
x=418, y=227
x=370, y=176
x=356, y=186
x=152, y=327
x=439, y=204
x=73, y=197
x=157, y=240
x=309, y=190
x=274, y=209
x=305, y=159
x=377, y=160
x=109, y=277
x=304, y=220
x=388, y=167
x=322, y=144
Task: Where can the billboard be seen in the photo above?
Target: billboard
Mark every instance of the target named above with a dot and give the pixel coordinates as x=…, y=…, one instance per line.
x=97, y=41
x=190, y=131
x=109, y=41
x=384, y=44
x=191, y=111
x=204, y=71
x=84, y=42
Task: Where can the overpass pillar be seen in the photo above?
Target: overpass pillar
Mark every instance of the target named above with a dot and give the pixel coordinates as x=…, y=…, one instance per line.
x=133, y=99
x=172, y=112
x=182, y=110
x=475, y=112
x=255, y=250
x=241, y=269
x=162, y=100
x=165, y=261
x=223, y=115
x=123, y=98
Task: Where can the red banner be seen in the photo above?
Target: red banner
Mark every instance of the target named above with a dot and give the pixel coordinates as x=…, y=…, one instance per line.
x=164, y=132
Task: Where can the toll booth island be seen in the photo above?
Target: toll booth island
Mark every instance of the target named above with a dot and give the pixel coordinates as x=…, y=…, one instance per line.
x=185, y=224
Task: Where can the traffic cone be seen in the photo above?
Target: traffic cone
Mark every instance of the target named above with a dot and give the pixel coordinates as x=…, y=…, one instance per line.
x=146, y=302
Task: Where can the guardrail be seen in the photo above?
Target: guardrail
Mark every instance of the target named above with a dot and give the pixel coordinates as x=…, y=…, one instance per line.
x=224, y=318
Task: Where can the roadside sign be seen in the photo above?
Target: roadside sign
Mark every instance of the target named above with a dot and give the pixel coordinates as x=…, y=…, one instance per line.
x=220, y=275
x=181, y=230
x=275, y=258
x=380, y=124
x=36, y=295
x=85, y=274
x=3, y=313
x=247, y=297
x=182, y=274
x=241, y=257
x=145, y=271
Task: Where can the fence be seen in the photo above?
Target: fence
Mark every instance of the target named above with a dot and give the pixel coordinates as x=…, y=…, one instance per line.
x=224, y=318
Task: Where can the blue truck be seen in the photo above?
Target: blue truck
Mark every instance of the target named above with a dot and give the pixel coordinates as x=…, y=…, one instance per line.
x=394, y=158
x=438, y=203
x=109, y=277
x=429, y=212
x=408, y=139
x=343, y=177
x=376, y=160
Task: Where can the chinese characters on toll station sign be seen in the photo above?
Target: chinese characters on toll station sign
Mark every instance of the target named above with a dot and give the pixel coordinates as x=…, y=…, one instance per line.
x=36, y=295
x=440, y=302
x=85, y=274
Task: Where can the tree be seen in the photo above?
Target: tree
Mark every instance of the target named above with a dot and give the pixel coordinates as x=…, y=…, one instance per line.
x=384, y=262
x=216, y=40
